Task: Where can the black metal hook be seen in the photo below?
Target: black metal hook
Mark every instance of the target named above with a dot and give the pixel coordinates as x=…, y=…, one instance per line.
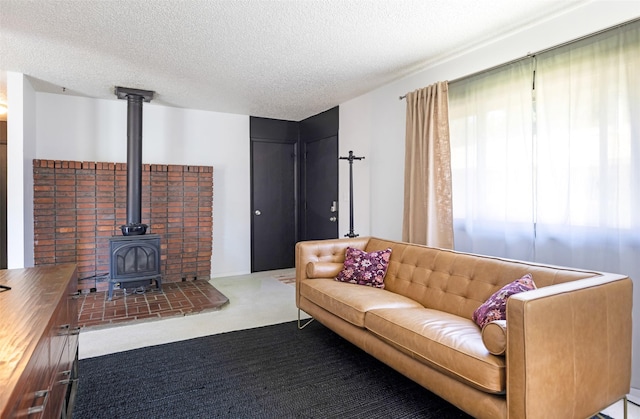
x=351, y=158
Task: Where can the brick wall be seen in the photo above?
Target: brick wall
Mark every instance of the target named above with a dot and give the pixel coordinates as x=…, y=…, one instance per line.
x=79, y=205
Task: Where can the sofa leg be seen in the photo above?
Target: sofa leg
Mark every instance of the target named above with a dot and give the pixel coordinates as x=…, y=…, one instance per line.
x=302, y=326
x=624, y=407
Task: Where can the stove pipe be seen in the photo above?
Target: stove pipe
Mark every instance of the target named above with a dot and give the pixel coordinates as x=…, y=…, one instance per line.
x=134, y=98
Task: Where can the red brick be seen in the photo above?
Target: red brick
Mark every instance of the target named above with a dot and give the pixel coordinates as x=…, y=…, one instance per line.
x=88, y=199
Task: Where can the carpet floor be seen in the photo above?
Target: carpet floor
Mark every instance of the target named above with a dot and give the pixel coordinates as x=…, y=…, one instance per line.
x=268, y=372
x=274, y=371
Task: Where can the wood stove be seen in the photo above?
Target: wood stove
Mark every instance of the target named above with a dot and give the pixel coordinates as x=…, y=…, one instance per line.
x=134, y=261
x=134, y=256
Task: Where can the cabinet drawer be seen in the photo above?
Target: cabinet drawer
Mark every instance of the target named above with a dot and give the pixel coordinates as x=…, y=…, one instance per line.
x=34, y=388
x=65, y=376
x=59, y=332
x=72, y=309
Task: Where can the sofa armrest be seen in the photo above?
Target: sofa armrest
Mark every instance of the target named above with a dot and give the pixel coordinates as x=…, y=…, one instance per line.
x=330, y=250
x=569, y=347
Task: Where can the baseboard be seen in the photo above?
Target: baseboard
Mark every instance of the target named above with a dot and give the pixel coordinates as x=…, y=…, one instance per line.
x=634, y=395
x=216, y=275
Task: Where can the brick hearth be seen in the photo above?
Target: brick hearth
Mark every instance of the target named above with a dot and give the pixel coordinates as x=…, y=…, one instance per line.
x=178, y=299
x=79, y=205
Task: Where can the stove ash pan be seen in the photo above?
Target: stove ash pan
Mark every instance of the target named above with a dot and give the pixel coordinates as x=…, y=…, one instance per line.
x=135, y=261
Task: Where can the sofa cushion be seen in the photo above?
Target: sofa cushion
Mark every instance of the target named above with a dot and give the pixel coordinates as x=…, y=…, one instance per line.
x=495, y=308
x=449, y=343
x=365, y=268
x=494, y=336
x=350, y=302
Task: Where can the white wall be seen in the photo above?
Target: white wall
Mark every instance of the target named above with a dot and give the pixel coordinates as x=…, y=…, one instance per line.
x=83, y=129
x=378, y=117
x=349, y=140
x=374, y=125
x=20, y=153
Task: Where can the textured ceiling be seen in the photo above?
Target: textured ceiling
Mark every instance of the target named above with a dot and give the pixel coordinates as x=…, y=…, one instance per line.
x=278, y=59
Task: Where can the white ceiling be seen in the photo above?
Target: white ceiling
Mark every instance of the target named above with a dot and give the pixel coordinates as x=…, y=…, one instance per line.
x=279, y=59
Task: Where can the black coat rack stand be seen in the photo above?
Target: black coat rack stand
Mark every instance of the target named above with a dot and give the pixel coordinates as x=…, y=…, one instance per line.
x=351, y=158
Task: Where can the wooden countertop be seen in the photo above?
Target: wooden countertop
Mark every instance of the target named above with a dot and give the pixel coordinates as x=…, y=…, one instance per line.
x=26, y=315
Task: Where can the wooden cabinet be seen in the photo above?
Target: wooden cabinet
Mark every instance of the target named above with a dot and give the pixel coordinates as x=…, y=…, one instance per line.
x=38, y=342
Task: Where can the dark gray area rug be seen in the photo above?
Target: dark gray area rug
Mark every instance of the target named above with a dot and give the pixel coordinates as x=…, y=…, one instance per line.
x=269, y=372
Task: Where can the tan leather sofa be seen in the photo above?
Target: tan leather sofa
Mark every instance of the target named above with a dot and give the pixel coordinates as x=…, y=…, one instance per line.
x=567, y=344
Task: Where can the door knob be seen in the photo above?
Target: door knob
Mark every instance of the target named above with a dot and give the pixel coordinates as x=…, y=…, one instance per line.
x=257, y=212
x=333, y=219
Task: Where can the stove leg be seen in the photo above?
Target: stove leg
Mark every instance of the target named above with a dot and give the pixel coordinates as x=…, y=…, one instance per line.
x=110, y=290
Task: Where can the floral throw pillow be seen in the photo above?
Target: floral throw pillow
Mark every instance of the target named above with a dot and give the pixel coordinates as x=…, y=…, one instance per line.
x=495, y=308
x=365, y=268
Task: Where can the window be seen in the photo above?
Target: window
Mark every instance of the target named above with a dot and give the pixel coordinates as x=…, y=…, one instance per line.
x=546, y=156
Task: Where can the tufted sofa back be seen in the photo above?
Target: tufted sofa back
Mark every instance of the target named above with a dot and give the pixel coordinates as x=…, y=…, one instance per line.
x=457, y=282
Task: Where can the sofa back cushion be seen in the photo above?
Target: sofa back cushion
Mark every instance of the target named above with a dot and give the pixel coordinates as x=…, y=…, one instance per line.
x=457, y=282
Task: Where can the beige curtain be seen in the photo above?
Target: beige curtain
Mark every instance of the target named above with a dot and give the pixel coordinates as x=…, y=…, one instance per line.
x=428, y=215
